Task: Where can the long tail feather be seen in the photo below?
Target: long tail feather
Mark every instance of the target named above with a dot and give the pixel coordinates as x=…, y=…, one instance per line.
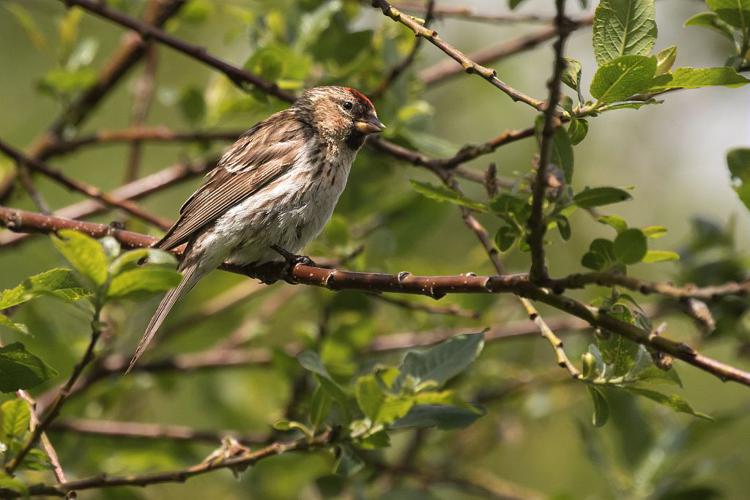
x=190, y=276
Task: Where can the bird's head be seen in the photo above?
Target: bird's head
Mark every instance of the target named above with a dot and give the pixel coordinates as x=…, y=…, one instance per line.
x=339, y=114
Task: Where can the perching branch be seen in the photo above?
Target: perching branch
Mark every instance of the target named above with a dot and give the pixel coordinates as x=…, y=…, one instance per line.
x=467, y=64
x=404, y=282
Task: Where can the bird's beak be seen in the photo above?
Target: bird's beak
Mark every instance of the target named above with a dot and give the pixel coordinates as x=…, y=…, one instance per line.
x=370, y=125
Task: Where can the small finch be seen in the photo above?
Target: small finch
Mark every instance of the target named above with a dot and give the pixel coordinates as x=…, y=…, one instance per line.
x=275, y=187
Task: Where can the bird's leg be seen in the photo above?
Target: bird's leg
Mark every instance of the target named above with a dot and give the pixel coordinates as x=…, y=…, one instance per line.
x=291, y=262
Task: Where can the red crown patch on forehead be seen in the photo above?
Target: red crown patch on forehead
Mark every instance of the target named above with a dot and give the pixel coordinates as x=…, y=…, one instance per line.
x=361, y=97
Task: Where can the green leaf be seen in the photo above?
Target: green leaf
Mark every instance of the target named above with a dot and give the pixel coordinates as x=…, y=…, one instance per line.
x=505, y=237
x=623, y=77
x=577, y=130
x=630, y=246
x=320, y=407
x=672, y=401
x=378, y=406
x=693, y=78
x=60, y=81
x=738, y=161
x=192, y=105
x=348, y=463
x=660, y=256
x=84, y=254
x=734, y=12
x=440, y=416
x=310, y=361
x=27, y=23
x=132, y=258
x=57, y=282
x=614, y=221
x=571, y=75
x=141, y=281
x=16, y=327
x=562, y=152
x=665, y=60
x=563, y=226
x=443, y=194
x=12, y=484
x=712, y=21
x=601, y=255
x=623, y=27
x=443, y=361
x=654, y=232
x=19, y=369
x=15, y=417
x=601, y=407
x=597, y=197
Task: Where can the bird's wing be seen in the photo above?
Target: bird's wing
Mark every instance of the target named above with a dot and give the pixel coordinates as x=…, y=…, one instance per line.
x=261, y=155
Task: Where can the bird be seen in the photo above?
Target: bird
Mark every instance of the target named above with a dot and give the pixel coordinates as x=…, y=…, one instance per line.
x=271, y=192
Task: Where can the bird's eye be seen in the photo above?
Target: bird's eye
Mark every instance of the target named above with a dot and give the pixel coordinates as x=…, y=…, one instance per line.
x=348, y=105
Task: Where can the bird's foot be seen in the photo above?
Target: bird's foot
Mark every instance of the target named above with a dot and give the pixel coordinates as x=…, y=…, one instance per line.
x=292, y=260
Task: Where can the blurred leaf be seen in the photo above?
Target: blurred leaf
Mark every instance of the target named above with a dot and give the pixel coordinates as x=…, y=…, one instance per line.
x=320, y=406
x=563, y=225
x=712, y=21
x=192, y=105
x=630, y=246
x=83, y=54
x=734, y=12
x=623, y=27
x=443, y=194
x=196, y=11
x=67, y=27
x=315, y=23
x=653, y=256
x=311, y=361
x=16, y=327
x=505, y=237
x=672, y=401
x=514, y=3
x=443, y=361
x=15, y=417
x=83, y=253
x=440, y=416
x=12, y=484
x=577, y=130
x=739, y=168
x=144, y=280
x=665, y=60
x=597, y=197
x=622, y=78
x=614, y=221
x=19, y=369
x=62, y=82
x=693, y=78
x=348, y=463
x=562, y=153
x=27, y=23
x=654, y=232
x=571, y=75
x=601, y=408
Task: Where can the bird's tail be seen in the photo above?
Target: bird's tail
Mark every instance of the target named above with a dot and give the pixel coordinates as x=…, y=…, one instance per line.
x=190, y=276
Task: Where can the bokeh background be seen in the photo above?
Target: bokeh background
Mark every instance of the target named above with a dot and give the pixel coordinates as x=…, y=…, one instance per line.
x=540, y=437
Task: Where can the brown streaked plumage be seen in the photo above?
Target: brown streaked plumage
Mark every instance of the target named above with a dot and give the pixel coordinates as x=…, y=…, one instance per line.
x=277, y=185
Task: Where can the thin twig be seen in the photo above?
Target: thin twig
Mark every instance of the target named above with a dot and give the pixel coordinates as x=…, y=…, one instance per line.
x=57, y=404
x=82, y=187
x=443, y=70
x=238, y=76
x=467, y=64
x=536, y=223
x=240, y=461
x=141, y=430
x=407, y=61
